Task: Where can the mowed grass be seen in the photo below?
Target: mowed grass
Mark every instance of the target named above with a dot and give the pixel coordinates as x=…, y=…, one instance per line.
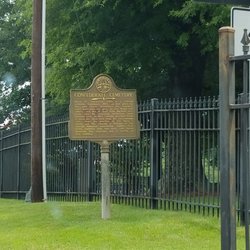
x=66, y=225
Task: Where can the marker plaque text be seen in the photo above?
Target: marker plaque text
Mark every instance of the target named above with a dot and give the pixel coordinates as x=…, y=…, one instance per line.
x=103, y=112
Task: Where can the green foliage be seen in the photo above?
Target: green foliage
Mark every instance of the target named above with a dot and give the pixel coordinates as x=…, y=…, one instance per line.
x=12, y=34
x=14, y=66
x=201, y=22
x=161, y=48
x=108, y=36
x=15, y=106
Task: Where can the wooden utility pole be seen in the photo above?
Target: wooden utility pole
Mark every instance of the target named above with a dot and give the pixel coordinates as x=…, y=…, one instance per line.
x=36, y=104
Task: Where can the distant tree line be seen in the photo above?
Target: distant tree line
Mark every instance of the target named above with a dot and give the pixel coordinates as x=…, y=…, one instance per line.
x=161, y=48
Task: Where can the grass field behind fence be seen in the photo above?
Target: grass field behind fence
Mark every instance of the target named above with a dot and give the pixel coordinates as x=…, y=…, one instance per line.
x=66, y=225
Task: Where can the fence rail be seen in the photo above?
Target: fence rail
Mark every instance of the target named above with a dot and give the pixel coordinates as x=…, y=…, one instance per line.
x=174, y=164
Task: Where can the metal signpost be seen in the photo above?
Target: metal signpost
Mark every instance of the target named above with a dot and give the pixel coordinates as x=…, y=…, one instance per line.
x=240, y=20
x=103, y=113
x=244, y=167
x=227, y=138
x=230, y=50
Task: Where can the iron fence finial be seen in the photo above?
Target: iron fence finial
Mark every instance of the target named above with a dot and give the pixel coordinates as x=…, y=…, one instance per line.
x=245, y=41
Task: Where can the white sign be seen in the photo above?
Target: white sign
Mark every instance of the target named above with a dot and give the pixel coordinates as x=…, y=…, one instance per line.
x=240, y=20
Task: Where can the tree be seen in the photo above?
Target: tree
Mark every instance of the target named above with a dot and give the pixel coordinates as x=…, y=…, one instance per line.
x=198, y=41
x=15, y=63
x=161, y=48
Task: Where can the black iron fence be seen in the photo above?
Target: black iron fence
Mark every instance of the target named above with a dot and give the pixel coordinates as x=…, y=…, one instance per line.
x=174, y=164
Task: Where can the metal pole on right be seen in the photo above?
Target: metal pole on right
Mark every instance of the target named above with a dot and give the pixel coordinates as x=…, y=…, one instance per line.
x=244, y=168
x=227, y=139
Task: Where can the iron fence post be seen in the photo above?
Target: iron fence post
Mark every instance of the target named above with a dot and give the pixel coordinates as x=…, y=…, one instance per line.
x=90, y=172
x=227, y=139
x=18, y=158
x=154, y=161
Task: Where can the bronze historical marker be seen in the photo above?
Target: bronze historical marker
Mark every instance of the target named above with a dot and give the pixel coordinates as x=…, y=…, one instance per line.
x=103, y=112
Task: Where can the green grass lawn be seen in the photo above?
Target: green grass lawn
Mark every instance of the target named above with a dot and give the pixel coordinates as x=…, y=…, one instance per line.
x=65, y=225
